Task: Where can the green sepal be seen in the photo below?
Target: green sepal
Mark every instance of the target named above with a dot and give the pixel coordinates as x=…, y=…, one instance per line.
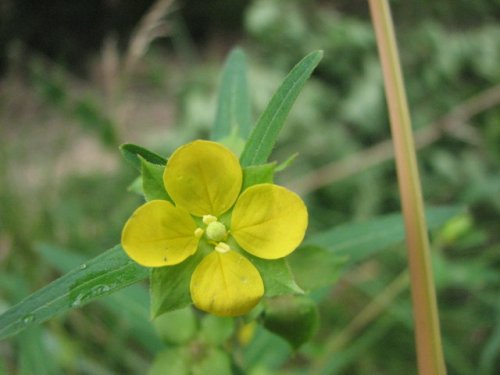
x=133, y=153
x=315, y=267
x=152, y=181
x=136, y=186
x=258, y=174
x=294, y=318
x=170, y=286
x=277, y=276
x=176, y=327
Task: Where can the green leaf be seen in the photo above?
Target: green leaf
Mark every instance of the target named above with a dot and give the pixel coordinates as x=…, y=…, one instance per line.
x=360, y=240
x=234, y=108
x=294, y=318
x=152, y=181
x=258, y=174
x=131, y=303
x=315, y=267
x=103, y=275
x=265, y=133
x=133, y=153
x=277, y=277
x=170, y=285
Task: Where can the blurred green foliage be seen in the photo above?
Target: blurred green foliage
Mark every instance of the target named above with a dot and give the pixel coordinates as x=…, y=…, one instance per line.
x=62, y=181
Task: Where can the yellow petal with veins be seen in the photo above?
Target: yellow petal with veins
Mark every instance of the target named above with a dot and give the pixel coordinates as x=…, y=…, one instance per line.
x=226, y=284
x=203, y=177
x=269, y=221
x=159, y=234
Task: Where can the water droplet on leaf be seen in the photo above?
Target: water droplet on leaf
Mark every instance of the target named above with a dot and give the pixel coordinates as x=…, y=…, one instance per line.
x=28, y=319
x=90, y=294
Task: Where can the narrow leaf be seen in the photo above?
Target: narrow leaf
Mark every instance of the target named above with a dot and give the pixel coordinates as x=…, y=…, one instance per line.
x=265, y=133
x=103, y=275
x=131, y=303
x=133, y=153
x=234, y=109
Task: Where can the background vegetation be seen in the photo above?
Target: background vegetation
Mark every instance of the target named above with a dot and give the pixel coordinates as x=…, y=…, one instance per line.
x=80, y=78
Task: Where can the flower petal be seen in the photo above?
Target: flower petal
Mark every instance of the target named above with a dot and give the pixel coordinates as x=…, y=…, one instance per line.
x=203, y=177
x=226, y=284
x=159, y=234
x=269, y=221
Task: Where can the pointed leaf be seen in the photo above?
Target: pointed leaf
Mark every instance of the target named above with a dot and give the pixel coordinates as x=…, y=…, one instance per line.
x=233, y=109
x=265, y=133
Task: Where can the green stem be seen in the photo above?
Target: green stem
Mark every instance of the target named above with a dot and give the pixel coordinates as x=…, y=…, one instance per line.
x=428, y=339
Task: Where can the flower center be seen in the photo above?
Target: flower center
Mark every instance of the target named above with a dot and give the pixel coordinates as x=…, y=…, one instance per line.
x=215, y=230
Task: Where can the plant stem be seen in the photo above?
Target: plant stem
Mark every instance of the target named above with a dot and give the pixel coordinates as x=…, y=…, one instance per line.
x=428, y=339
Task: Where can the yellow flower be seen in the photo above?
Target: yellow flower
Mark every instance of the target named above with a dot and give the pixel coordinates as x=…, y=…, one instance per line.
x=204, y=179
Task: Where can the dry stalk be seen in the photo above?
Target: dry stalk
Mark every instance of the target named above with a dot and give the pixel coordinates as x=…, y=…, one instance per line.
x=150, y=27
